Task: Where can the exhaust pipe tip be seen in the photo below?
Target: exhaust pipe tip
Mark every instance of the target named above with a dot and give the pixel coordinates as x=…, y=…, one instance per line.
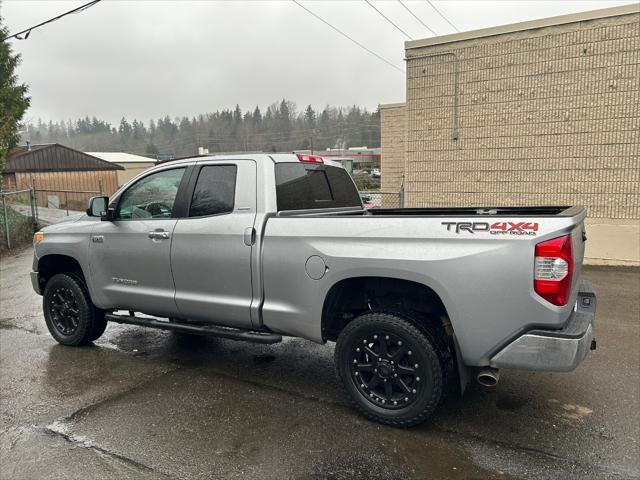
x=488, y=377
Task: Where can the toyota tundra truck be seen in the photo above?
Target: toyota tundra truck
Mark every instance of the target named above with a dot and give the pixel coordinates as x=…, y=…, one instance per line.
x=256, y=247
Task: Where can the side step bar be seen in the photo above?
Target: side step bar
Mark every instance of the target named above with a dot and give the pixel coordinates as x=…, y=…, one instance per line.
x=196, y=329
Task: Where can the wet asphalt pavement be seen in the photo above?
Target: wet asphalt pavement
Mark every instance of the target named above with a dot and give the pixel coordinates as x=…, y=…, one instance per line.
x=147, y=404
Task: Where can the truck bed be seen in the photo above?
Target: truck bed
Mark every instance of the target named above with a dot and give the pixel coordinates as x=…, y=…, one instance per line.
x=478, y=260
x=540, y=211
x=543, y=211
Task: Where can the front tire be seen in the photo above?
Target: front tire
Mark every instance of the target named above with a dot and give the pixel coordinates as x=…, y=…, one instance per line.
x=71, y=317
x=392, y=372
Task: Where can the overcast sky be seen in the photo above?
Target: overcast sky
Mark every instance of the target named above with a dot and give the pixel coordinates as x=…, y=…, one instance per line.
x=146, y=59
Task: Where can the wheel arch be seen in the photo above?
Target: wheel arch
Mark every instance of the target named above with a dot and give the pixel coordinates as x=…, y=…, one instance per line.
x=422, y=304
x=376, y=293
x=52, y=264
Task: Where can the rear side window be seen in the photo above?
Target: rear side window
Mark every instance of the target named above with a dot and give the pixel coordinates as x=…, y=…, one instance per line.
x=301, y=186
x=215, y=191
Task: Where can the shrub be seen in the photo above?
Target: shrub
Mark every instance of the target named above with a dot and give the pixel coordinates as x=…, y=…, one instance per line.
x=20, y=229
x=365, y=182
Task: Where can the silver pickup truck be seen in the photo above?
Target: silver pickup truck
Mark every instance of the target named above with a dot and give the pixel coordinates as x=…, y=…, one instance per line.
x=253, y=247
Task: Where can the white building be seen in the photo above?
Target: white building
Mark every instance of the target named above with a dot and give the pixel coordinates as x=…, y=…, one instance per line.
x=132, y=164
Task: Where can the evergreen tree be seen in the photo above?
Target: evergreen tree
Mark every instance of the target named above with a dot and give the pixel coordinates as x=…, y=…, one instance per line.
x=13, y=97
x=237, y=118
x=284, y=120
x=309, y=117
x=124, y=130
x=257, y=117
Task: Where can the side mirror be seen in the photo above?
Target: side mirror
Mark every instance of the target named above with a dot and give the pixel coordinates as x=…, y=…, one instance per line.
x=98, y=206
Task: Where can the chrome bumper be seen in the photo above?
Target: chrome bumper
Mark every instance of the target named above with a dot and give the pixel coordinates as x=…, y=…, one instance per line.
x=554, y=350
x=35, y=283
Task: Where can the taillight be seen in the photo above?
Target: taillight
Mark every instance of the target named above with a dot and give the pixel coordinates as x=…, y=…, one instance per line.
x=305, y=157
x=554, y=269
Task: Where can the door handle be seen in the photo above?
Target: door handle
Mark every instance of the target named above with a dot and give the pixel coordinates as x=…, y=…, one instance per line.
x=158, y=235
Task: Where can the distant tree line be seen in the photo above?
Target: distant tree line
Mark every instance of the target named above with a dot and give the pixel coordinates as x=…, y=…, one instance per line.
x=280, y=128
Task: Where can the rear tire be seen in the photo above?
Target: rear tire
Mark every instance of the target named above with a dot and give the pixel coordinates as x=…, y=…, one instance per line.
x=71, y=317
x=392, y=372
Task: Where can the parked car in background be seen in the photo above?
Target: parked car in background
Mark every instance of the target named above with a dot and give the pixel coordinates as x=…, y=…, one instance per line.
x=370, y=200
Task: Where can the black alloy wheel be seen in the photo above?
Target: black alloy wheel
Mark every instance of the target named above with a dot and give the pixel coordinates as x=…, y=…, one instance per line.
x=71, y=317
x=384, y=369
x=64, y=311
x=392, y=372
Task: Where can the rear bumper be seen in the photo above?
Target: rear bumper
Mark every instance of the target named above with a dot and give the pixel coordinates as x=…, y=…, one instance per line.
x=554, y=350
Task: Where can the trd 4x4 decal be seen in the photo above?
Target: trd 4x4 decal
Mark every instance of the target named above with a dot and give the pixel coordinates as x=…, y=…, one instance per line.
x=496, y=228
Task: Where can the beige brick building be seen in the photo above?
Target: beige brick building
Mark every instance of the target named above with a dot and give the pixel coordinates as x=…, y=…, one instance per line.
x=536, y=113
x=393, y=133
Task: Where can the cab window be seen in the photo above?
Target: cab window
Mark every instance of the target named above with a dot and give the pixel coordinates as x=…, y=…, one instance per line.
x=215, y=191
x=302, y=186
x=151, y=197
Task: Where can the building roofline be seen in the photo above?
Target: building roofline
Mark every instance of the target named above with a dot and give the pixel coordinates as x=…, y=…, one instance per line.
x=11, y=159
x=521, y=26
x=391, y=105
x=128, y=157
x=113, y=167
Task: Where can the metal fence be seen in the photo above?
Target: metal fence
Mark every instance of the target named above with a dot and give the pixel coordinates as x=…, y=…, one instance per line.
x=377, y=199
x=64, y=199
x=22, y=211
x=19, y=218
x=71, y=201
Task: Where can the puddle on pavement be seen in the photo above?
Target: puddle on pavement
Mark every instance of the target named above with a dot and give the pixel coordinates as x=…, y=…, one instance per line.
x=510, y=402
x=263, y=359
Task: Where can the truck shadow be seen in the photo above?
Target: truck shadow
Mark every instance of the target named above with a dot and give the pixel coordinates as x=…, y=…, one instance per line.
x=527, y=412
x=522, y=400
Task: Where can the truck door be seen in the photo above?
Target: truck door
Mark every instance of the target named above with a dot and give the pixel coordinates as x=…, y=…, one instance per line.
x=129, y=257
x=211, y=249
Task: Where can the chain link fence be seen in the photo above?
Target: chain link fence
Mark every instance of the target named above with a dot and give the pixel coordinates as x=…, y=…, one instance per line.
x=22, y=211
x=18, y=218
x=68, y=201
x=377, y=199
x=64, y=199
